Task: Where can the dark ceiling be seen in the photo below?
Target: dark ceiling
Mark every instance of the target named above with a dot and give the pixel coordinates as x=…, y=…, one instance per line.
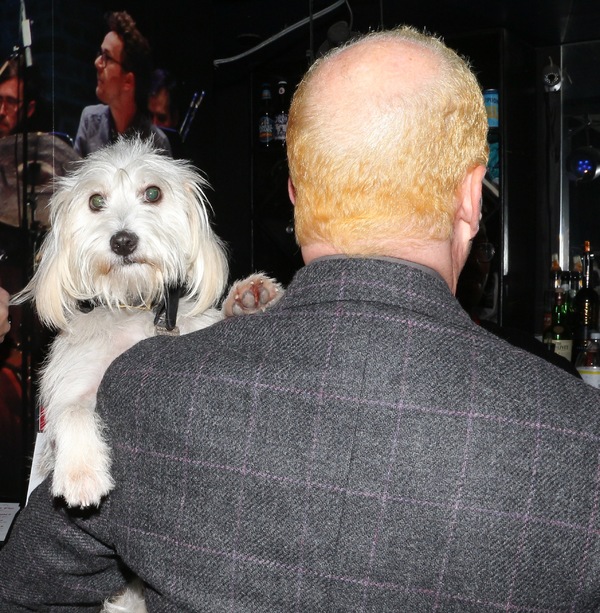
x=240, y=24
x=194, y=36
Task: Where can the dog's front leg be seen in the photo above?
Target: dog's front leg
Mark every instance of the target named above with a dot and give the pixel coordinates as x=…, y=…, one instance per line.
x=79, y=455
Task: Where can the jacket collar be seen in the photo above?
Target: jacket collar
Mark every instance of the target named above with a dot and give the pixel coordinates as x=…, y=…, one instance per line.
x=386, y=281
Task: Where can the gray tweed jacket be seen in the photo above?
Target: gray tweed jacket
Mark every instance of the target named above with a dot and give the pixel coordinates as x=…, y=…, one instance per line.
x=363, y=446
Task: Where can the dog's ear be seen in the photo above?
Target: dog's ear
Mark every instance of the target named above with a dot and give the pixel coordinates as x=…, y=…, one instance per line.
x=211, y=266
x=207, y=272
x=47, y=286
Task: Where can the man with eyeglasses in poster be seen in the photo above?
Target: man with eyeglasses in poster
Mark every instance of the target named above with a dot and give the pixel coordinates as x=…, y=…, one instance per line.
x=124, y=68
x=13, y=108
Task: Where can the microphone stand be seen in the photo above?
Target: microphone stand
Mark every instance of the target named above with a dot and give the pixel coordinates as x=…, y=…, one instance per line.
x=26, y=53
x=29, y=230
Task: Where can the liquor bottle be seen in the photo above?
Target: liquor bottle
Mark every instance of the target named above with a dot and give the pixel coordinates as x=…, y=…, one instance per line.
x=576, y=270
x=586, y=302
x=557, y=336
x=265, y=121
x=281, y=116
x=569, y=299
x=555, y=282
x=588, y=361
x=491, y=99
x=555, y=272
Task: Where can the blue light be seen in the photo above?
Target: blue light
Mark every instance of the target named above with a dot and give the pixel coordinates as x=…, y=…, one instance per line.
x=584, y=166
x=584, y=163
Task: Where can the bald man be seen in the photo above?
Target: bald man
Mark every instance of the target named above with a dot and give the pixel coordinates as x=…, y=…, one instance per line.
x=363, y=445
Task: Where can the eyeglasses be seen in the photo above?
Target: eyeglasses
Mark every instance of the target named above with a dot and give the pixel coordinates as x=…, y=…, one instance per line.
x=105, y=57
x=484, y=252
x=10, y=103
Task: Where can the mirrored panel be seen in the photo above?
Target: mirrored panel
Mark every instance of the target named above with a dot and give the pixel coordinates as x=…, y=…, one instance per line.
x=581, y=146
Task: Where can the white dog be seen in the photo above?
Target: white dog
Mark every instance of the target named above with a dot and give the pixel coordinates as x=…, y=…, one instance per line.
x=130, y=247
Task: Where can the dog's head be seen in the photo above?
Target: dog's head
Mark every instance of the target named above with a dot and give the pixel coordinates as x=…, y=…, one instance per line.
x=126, y=223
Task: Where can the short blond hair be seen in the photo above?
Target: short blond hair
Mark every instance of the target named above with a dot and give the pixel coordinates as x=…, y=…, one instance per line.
x=391, y=170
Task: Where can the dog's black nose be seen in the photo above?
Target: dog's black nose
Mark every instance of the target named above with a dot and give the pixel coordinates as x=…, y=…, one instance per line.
x=123, y=243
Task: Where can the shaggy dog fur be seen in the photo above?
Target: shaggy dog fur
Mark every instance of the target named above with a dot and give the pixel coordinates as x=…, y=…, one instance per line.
x=130, y=233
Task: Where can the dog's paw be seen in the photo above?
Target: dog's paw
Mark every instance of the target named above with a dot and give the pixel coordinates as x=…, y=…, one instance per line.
x=252, y=294
x=81, y=488
x=82, y=483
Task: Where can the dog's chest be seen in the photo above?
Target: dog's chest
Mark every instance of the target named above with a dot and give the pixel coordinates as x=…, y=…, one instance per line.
x=120, y=329
x=111, y=330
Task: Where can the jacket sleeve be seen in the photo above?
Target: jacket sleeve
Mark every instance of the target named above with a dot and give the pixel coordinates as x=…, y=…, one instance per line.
x=80, y=144
x=52, y=563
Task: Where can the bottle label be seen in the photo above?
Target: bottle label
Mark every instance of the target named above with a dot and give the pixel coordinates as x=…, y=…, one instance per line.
x=490, y=97
x=281, y=120
x=591, y=375
x=265, y=129
x=563, y=347
x=493, y=166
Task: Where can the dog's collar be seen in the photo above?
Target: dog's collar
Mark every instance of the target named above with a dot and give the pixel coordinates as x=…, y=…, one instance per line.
x=165, y=319
x=165, y=312
x=87, y=306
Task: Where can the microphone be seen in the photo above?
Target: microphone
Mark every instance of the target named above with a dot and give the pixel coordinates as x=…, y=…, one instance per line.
x=26, y=36
x=191, y=113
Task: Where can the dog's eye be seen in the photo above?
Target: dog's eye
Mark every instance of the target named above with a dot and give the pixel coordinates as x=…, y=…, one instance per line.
x=97, y=202
x=152, y=194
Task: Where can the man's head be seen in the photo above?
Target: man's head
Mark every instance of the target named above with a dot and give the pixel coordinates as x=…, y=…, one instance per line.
x=124, y=63
x=383, y=136
x=162, y=102
x=12, y=99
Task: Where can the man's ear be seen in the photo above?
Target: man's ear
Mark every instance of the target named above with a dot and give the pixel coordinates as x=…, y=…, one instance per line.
x=291, y=191
x=469, y=208
x=129, y=81
x=31, y=108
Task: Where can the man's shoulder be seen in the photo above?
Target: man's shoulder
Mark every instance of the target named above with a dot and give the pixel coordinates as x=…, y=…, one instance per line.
x=94, y=115
x=520, y=368
x=160, y=139
x=94, y=110
x=529, y=343
x=93, y=129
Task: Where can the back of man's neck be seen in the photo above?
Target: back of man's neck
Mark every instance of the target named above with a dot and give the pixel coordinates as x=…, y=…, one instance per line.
x=433, y=254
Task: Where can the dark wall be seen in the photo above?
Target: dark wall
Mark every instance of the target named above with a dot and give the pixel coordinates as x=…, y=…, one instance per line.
x=251, y=214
